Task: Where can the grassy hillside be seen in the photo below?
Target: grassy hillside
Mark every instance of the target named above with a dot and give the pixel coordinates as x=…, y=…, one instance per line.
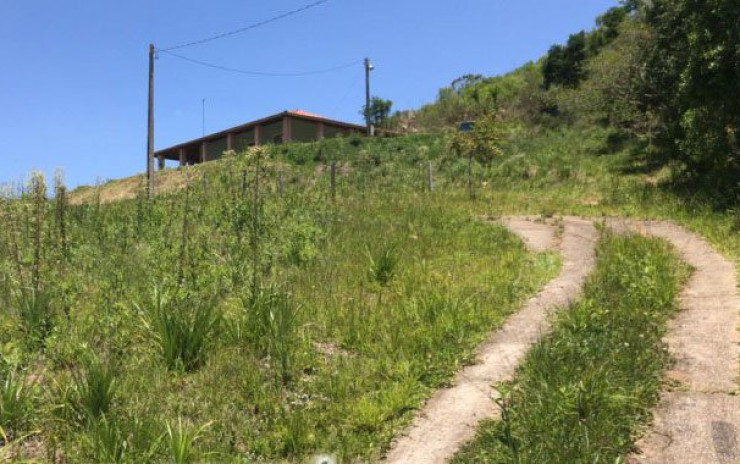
x=250, y=312
x=234, y=322
x=223, y=321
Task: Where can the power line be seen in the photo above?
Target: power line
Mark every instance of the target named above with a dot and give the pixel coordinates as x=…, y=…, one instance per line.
x=261, y=73
x=247, y=28
x=346, y=94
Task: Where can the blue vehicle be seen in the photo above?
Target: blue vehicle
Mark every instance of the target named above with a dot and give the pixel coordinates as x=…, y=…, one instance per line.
x=466, y=126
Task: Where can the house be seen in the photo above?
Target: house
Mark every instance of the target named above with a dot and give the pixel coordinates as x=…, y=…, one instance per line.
x=288, y=126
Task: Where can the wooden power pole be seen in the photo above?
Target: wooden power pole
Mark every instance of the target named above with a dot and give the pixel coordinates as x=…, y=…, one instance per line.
x=368, y=67
x=150, y=129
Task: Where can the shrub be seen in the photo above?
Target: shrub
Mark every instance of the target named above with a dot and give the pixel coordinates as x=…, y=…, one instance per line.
x=483, y=143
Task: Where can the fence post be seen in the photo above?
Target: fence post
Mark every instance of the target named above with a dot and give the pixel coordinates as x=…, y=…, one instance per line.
x=471, y=187
x=430, y=175
x=333, y=179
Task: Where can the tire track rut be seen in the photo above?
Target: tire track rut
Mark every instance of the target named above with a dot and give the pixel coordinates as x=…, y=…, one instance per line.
x=450, y=418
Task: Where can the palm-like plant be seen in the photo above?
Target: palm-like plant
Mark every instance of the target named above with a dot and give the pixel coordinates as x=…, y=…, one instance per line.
x=182, y=326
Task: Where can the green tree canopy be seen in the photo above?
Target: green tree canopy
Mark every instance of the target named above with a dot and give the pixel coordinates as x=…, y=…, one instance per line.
x=693, y=84
x=378, y=111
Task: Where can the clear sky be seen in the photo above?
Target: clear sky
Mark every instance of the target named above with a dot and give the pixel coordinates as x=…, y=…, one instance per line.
x=74, y=74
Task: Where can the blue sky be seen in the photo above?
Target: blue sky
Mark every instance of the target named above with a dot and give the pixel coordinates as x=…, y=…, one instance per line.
x=74, y=80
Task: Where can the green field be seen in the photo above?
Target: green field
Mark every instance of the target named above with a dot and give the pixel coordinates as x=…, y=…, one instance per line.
x=224, y=322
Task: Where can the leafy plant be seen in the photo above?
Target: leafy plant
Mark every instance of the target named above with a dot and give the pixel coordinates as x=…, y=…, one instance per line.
x=33, y=308
x=182, y=325
x=181, y=441
x=383, y=266
x=15, y=401
x=93, y=391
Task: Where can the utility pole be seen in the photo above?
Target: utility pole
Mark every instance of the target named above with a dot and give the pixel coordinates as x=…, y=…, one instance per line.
x=368, y=67
x=204, y=117
x=150, y=129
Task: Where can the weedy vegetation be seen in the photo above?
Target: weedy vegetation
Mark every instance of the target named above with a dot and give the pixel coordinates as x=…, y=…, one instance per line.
x=295, y=324
x=260, y=309
x=248, y=315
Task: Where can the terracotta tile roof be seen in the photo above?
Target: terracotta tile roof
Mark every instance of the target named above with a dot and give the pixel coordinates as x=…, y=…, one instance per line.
x=306, y=113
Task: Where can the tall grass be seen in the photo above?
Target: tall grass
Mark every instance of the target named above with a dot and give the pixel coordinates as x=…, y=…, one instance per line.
x=319, y=364
x=123, y=440
x=16, y=403
x=383, y=265
x=107, y=441
x=272, y=322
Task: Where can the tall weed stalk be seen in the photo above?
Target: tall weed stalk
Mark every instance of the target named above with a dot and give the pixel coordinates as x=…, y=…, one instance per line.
x=273, y=325
x=38, y=192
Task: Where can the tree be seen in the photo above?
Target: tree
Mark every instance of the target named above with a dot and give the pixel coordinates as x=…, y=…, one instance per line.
x=378, y=112
x=612, y=92
x=693, y=76
x=465, y=82
x=563, y=65
x=483, y=143
x=608, y=23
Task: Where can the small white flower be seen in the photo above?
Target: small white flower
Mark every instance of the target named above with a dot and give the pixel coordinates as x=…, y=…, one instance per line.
x=325, y=459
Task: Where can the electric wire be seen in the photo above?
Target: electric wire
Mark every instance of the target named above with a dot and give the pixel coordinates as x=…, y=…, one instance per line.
x=247, y=28
x=261, y=73
x=340, y=103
